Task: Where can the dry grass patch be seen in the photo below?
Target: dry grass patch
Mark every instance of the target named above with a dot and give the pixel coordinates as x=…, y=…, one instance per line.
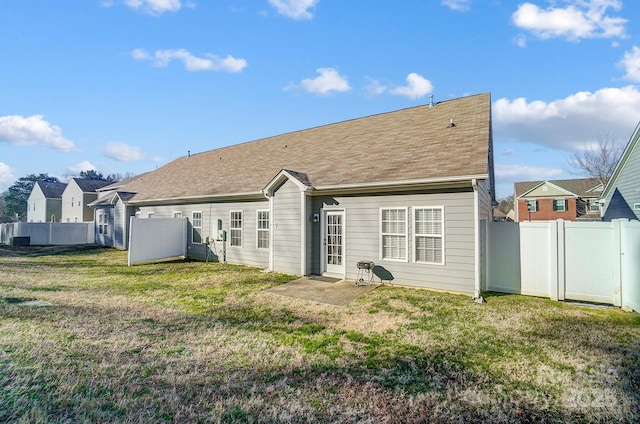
x=185, y=341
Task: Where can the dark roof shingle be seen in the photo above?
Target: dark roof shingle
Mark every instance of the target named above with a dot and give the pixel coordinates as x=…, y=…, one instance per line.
x=406, y=145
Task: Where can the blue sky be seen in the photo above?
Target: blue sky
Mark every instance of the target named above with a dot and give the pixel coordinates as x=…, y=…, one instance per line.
x=125, y=86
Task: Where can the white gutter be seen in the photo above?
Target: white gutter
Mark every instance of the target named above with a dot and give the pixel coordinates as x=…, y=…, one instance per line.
x=439, y=180
x=476, y=245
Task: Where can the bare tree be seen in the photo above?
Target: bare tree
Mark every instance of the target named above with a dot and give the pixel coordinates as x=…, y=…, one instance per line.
x=505, y=204
x=598, y=161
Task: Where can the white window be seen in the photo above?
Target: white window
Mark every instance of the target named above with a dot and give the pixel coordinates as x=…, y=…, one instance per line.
x=177, y=214
x=636, y=206
x=103, y=223
x=235, y=225
x=72, y=199
x=560, y=205
x=151, y=214
x=594, y=205
x=532, y=205
x=429, y=234
x=196, y=232
x=263, y=229
x=393, y=234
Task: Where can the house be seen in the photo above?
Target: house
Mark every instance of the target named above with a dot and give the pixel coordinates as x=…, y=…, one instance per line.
x=45, y=202
x=571, y=200
x=405, y=189
x=76, y=198
x=112, y=213
x=621, y=196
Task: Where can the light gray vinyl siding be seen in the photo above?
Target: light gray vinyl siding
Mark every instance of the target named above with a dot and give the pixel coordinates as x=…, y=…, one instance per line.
x=362, y=234
x=628, y=184
x=121, y=222
x=248, y=254
x=485, y=210
x=287, y=210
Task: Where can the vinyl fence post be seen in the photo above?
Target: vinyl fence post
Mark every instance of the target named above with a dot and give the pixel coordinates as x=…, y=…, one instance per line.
x=561, y=258
x=618, y=261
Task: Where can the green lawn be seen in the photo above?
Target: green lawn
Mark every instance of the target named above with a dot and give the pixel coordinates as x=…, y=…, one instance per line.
x=202, y=342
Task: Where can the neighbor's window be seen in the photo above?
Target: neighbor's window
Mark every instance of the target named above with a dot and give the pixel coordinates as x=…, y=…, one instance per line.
x=393, y=234
x=636, y=206
x=560, y=205
x=429, y=235
x=594, y=205
x=177, y=214
x=151, y=214
x=532, y=205
x=235, y=225
x=72, y=199
x=263, y=229
x=196, y=233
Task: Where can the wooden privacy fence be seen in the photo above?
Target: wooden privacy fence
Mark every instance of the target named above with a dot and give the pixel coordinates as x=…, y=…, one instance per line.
x=586, y=261
x=156, y=238
x=56, y=233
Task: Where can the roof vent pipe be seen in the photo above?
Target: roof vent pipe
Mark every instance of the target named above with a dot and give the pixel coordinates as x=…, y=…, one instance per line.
x=188, y=153
x=431, y=101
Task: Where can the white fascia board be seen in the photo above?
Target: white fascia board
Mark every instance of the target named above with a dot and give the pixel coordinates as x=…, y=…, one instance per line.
x=405, y=184
x=258, y=195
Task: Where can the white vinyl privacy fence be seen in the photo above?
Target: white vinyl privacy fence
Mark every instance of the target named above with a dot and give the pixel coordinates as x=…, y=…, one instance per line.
x=56, y=233
x=157, y=238
x=585, y=261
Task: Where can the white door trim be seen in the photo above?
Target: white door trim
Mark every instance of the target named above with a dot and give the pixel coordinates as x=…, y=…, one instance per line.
x=333, y=269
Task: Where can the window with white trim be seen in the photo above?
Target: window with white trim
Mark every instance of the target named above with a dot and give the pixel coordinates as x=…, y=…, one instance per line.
x=151, y=214
x=429, y=234
x=393, y=234
x=196, y=227
x=103, y=223
x=560, y=205
x=177, y=214
x=532, y=205
x=263, y=229
x=636, y=206
x=594, y=205
x=235, y=228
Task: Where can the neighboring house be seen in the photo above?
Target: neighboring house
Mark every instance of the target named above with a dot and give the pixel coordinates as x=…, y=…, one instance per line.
x=405, y=189
x=45, y=202
x=571, y=200
x=621, y=196
x=76, y=198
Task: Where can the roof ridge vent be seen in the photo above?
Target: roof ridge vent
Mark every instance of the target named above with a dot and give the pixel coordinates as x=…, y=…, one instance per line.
x=431, y=101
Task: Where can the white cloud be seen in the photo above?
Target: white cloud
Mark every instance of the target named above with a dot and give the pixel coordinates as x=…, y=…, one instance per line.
x=417, y=86
x=126, y=153
x=460, y=5
x=295, y=9
x=85, y=165
x=375, y=87
x=631, y=64
x=210, y=62
x=154, y=7
x=6, y=177
x=569, y=123
x=329, y=80
x=511, y=173
x=579, y=19
x=33, y=130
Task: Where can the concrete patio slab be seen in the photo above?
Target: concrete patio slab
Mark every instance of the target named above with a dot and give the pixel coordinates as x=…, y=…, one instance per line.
x=340, y=293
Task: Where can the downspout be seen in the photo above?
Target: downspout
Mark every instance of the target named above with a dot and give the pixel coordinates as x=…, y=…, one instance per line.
x=269, y=197
x=476, y=245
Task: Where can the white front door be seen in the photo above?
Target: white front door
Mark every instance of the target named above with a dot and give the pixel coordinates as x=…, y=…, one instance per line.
x=334, y=242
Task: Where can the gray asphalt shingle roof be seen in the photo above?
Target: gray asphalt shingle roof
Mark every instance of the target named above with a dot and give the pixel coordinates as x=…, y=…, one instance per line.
x=582, y=187
x=52, y=190
x=406, y=145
